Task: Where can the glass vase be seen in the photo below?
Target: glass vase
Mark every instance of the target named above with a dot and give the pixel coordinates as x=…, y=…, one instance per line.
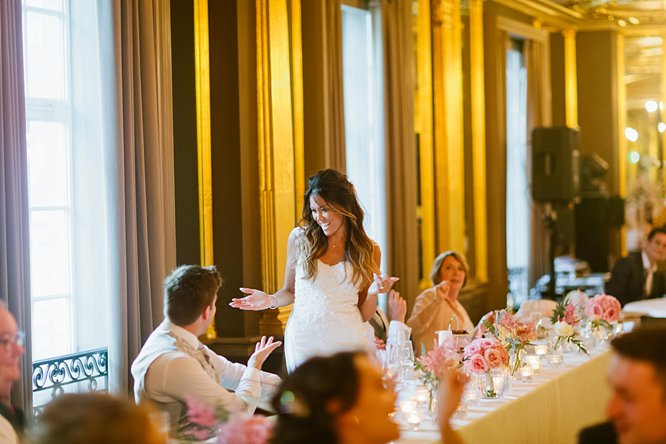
x=494, y=383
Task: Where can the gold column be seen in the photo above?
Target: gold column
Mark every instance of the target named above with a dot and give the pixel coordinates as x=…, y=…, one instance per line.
x=276, y=148
x=570, y=79
x=423, y=126
x=297, y=96
x=662, y=112
x=204, y=169
x=621, y=139
x=449, y=161
x=478, y=112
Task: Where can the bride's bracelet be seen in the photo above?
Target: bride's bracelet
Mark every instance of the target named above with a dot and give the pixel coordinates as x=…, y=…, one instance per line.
x=274, y=302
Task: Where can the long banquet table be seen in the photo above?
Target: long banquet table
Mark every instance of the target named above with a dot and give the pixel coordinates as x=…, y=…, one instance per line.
x=550, y=409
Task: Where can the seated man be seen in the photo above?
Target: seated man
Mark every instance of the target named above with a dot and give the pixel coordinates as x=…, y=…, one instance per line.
x=388, y=332
x=173, y=366
x=635, y=276
x=11, y=349
x=637, y=376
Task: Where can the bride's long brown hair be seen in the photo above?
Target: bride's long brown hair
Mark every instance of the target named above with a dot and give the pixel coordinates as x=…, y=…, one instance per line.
x=333, y=187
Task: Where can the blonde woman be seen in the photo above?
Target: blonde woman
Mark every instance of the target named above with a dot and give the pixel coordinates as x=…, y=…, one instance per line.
x=331, y=277
x=437, y=308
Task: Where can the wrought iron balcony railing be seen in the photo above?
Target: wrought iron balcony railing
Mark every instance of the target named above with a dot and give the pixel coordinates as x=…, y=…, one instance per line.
x=73, y=373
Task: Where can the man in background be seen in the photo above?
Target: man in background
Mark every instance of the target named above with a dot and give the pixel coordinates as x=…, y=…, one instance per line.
x=637, y=378
x=635, y=277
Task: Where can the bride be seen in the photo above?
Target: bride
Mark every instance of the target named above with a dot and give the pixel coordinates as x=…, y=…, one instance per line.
x=331, y=277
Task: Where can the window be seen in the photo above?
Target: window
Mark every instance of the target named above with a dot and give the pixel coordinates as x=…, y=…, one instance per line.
x=69, y=246
x=364, y=116
x=517, y=190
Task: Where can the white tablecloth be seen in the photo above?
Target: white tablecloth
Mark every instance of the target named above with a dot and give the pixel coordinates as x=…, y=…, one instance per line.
x=652, y=307
x=551, y=409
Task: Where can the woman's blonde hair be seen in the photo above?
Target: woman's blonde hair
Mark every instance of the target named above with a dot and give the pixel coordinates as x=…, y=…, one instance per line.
x=439, y=260
x=333, y=187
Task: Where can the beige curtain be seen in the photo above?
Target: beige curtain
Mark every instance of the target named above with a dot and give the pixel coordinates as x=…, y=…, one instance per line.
x=401, y=174
x=145, y=227
x=536, y=116
x=323, y=99
x=14, y=227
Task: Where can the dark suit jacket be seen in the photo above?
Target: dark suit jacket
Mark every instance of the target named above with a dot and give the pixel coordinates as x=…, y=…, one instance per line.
x=627, y=281
x=14, y=417
x=603, y=433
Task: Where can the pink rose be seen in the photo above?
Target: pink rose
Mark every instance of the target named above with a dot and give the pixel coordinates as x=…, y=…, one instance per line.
x=493, y=358
x=488, y=343
x=606, y=302
x=472, y=348
x=611, y=315
x=477, y=364
x=594, y=309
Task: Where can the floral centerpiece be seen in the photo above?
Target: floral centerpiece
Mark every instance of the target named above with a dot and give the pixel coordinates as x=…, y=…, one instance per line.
x=488, y=357
x=603, y=310
x=566, y=317
x=240, y=428
x=514, y=335
x=437, y=361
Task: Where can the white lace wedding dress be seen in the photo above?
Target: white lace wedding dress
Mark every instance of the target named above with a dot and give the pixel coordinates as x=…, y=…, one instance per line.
x=325, y=318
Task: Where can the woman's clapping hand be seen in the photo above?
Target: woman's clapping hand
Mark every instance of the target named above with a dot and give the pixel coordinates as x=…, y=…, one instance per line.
x=381, y=283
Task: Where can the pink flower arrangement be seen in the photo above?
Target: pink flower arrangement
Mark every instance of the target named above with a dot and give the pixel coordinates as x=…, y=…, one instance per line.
x=603, y=307
x=438, y=360
x=484, y=354
x=209, y=421
x=245, y=429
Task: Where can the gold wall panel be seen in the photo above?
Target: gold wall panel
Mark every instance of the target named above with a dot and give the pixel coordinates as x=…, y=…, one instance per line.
x=276, y=148
x=204, y=162
x=424, y=127
x=449, y=150
x=570, y=79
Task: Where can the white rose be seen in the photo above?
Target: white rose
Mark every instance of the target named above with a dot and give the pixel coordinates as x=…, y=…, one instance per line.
x=563, y=330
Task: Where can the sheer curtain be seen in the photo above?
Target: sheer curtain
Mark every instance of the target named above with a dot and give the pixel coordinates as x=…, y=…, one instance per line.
x=14, y=245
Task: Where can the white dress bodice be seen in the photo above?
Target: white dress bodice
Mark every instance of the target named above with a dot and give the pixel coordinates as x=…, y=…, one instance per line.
x=325, y=318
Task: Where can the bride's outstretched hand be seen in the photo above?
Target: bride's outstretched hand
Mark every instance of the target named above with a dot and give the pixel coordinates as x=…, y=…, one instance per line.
x=382, y=283
x=256, y=300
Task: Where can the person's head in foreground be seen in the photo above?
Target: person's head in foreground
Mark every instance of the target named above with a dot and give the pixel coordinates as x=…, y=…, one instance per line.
x=96, y=418
x=11, y=349
x=336, y=399
x=637, y=377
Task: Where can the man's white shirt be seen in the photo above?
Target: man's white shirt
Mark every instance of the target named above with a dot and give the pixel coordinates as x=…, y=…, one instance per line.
x=170, y=368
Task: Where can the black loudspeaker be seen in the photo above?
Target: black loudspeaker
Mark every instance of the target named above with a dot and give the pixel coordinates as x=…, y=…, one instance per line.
x=555, y=164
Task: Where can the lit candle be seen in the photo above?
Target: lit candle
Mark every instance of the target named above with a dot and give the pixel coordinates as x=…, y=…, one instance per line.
x=421, y=394
x=408, y=406
x=526, y=373
x=534, y=362
x=541, y=349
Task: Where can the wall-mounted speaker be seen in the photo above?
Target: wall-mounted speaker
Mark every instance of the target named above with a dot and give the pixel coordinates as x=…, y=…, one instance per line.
x=555, y=164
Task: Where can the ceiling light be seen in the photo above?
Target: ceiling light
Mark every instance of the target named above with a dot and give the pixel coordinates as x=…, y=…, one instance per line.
x=651, y=106
x=631, y=134
x=634, y=21
x=661, y=126
x=622, y=23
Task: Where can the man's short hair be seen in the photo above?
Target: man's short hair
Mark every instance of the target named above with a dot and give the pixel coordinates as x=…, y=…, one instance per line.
x=653, y=232
x=188, y=291
x=647, y=345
